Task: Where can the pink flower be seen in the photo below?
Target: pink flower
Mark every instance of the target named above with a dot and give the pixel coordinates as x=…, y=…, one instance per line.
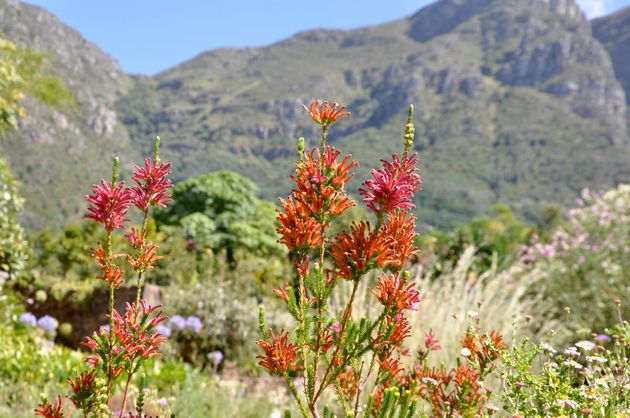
x=393, y=186
x=431, y=342
x=152, y=185
x=109, y=205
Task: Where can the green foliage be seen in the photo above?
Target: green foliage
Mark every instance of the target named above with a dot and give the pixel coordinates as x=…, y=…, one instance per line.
x=21, y=74
x=585, y=261
x=496, y=241
x=13, y=245
x=221, y=211
x=27, y=363
x=589, y=378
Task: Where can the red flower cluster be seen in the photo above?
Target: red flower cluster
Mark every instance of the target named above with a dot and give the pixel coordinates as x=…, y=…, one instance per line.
x=152, y=185
x=320, y=182
x=484, y=348
x=400, y=227
x=280, y=355
x=361, y=250
x=147, y=258
x=395, y=294
x=109, y=204
x=318, y=198
x=83, y=388
x=112, y=274
x=133, y=337
x=393, y=186
x=299, y=232
x=48, y=410
x=431, y=342
x=325, y=114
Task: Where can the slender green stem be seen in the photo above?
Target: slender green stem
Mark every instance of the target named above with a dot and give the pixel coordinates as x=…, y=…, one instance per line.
x=324, y=137
x=344, y=321
x=140, y=273
x=298, y=400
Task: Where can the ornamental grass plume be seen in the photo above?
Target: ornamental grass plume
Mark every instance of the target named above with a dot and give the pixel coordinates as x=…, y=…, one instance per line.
x=120, y=349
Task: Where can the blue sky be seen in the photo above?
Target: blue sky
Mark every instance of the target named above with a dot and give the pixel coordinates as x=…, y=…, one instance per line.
x=148, y=36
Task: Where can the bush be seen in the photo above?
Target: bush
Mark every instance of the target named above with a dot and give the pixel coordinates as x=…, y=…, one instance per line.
x=586, y=261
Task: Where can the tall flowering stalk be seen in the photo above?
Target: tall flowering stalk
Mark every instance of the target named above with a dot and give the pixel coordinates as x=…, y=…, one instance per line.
x=120, y=349
x=339, y=353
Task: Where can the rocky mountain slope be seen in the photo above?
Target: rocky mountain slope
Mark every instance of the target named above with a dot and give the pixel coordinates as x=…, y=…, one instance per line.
x=58, y=153
x=516, y=102
x=613, y=32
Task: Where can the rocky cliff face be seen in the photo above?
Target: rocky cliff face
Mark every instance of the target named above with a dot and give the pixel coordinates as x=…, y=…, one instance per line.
x=516, y=102
x=614, y=33
x=56, y=148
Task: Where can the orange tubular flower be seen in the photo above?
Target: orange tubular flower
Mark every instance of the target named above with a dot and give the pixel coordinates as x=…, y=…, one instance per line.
x=280, y=355
x=49, y=410
x=316, y=169
x=390, y=365
x=400, y=228
x=147, y=258
x=320, y=182
x=484, y=348
x=325, y=114
x=402, y=330
x=394, y=294
x=356, y=253
x=112, y=274
x=299, y=232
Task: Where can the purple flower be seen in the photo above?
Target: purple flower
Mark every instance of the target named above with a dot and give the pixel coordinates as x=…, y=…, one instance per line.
x=47, y=323
x=177, y=322
x=216, y=357
x=603, y=338
x=194, y=323
x=28, y=318
x=163, y=403
x=163, y=330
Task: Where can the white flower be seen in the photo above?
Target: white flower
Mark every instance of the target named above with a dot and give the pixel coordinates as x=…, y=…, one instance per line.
x=586, y=345
x=572, y=351
x=596, y=359
x=466, y=352
x=568, y=403
x=548, y=348
x=573, y=364
x=429, y=381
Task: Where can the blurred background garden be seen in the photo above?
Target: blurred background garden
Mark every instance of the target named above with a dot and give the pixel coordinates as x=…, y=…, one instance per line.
x=523, y=133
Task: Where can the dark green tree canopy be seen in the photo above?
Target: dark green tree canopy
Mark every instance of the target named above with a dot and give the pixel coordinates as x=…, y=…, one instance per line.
x=222, y=211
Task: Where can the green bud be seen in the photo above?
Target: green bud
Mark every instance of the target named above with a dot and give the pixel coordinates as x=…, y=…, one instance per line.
x=409, y=130
x=115, y=174
x=156, y=149
x=301, y=147
x=261, y=322
x=287, y=413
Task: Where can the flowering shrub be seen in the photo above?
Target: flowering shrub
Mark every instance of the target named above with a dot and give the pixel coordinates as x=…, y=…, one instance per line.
x=361, y=360
x=586, y=260
x=589, y=378
x=119, y=349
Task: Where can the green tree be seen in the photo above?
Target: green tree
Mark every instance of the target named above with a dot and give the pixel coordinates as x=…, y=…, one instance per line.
x=222, y=211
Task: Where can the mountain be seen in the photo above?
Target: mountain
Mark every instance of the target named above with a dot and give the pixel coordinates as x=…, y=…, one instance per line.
x=516, y=102
x=59, y=153
x=613, y=32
